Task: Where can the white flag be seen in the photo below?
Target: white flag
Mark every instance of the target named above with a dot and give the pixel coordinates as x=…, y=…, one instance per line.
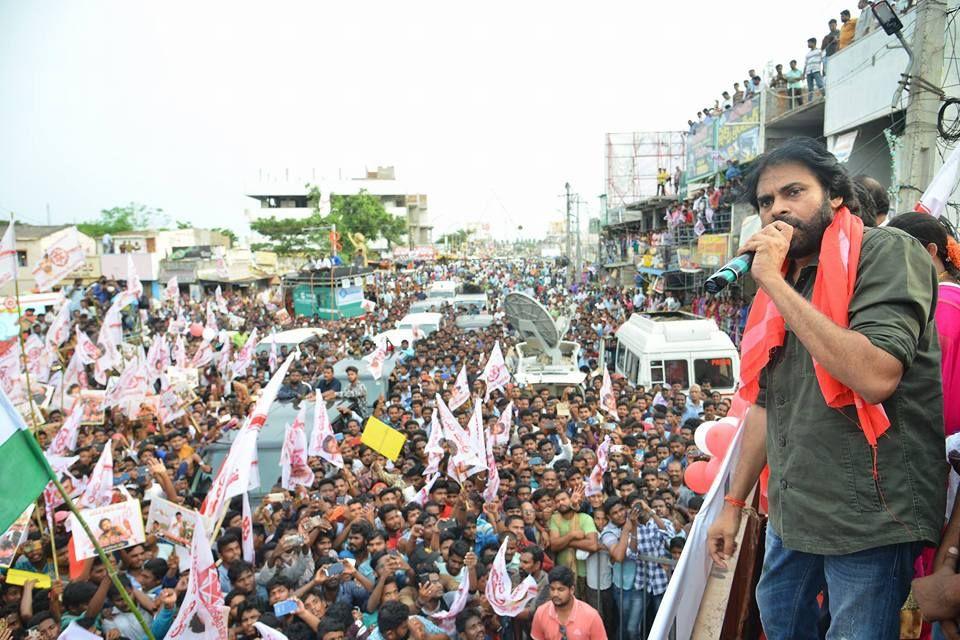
x=60, y=259
x=501, y=430
x=172, y=290
x=434, y=448
x=424, y=494
x=202, y=615
x=180, y=352
x=447, y=619
x=76, y=632
x=594, y=484
x=202, y=356
x=934, y=199
x=461, y=389
x=134, y=286
x=294, y=469
x=8, y=256
x=211, y=322
x=86, y=348
x=322, y=441
x=375, y=359
x=608, y=401
x=493, y=474
x=268, y=633
x=455, y=433
x=246, y=530
x=65, y=440
x=273, y=359
x=504, y=600
x=226, y=351
x=245, y=355
x=99, y=491
x=495, y=373
x=158, y=359
x=59, y=329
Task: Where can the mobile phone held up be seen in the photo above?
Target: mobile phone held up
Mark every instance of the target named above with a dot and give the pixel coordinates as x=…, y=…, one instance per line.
x=284, y=608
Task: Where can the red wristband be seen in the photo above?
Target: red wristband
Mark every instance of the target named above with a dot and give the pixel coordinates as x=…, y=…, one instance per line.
x=739, y=504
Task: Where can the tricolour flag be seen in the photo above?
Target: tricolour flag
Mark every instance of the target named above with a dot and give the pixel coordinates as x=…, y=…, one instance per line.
x=26, y=473
x=495, y=373
x=61, y=258
x=504, y=600
x=294, y=469
x=461, y=389
x=322, y=441
x=8, y=256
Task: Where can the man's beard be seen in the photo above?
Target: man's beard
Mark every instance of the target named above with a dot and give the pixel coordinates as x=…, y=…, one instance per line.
x=807, y=236
x=564, y=509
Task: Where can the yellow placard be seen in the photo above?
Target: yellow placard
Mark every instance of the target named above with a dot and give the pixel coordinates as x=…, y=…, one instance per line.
x=17, y=576
x=383, y=438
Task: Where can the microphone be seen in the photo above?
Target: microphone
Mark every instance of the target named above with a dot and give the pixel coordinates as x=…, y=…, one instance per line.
x=729, y=273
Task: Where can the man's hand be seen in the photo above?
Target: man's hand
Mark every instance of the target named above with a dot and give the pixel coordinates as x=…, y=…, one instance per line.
x=770, y=246
x=470, y=560
x=417, y=632
x=721, y=536
x=168, y=598
x=933, y=592
x=320, y=577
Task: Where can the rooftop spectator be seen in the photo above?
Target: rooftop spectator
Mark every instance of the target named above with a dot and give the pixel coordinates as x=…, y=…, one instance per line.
x=832, y=40
x=813, y=68
x=848, y=29
x=794, y=78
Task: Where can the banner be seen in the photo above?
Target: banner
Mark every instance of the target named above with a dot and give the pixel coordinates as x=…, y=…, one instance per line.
x=116, y=526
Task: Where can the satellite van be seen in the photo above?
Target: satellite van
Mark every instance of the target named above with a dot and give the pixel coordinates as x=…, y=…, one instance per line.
x=542, y=358
x=676, y=348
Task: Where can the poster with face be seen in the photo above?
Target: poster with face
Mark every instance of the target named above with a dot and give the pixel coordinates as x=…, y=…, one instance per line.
x=91, y=404
x=13, y=537
x=172, y=523
x=115, y=526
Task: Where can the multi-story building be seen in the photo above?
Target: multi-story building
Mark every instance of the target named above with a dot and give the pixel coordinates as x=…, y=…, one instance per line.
x=285, y=196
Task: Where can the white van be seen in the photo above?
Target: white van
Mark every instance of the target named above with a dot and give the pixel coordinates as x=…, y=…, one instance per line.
x=443, y=289
x=676, y=348
x=427, y=323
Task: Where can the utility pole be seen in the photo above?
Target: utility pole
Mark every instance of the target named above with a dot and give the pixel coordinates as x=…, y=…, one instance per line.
x=918, y=153
x=577, y=231
x=567, y=235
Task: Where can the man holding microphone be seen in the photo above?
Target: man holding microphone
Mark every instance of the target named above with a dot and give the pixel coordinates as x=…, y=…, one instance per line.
x=840, y=361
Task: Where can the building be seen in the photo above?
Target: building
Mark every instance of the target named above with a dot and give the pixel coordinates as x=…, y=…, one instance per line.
x=32, y=242
x=286, y=196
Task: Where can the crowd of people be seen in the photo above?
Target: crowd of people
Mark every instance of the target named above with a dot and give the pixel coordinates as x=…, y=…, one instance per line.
x=570, y=520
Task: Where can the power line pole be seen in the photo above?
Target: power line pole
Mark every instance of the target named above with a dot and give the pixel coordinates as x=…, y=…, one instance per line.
x=920, y=131
x=567, y=234
x=577, y=227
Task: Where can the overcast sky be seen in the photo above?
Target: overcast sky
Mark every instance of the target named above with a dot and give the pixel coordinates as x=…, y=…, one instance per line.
x=488, y=108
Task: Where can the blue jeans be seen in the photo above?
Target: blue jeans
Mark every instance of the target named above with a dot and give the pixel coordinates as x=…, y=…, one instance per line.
x=631, y=605
x=866, y=589
x=814, y=78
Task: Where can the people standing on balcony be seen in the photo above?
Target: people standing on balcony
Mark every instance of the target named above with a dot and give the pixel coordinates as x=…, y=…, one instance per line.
x=813, y=68
x=866, y=22
x=794, y=78
x=737, y=93
x=848, y=31
x=748, y=88
x=677, y=180
x=757, y=83
x=779, y=85
x=831, y=41
x=662, y=178
x=727, y=102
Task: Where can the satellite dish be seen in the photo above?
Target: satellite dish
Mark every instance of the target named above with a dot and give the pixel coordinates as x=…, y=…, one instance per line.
x=532, y=320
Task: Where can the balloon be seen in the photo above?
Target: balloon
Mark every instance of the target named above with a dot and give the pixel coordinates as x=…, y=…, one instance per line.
x=731, y=420
x=700, y=436
x=196, y=329
x=713, y=468
x=696, y=477
x=719, y=439
x=209, y=334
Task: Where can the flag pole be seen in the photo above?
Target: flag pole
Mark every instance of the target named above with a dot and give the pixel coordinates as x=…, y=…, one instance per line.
x=107, y=562
x=53, y=543
x=23, y=353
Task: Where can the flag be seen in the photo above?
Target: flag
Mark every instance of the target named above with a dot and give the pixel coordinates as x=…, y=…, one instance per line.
x=10, y=379
x=99, y=491
x=475, y=431
x=172, y=290
x=375, y=359
x=131, y=387
x=87, y=350
x=20, y=452
x=245, y=355
x=699, y=228
x=447, y=619
x=504, y=600
x=74, y=631
x=37, y=357
x=239, y=472
x=268, y=633
x=322, y=441
x=202, y=615
x=203, y=355
x=60, y=259
x=158, y=359
x=180, y=352
x=59, y=329
x=454, y=432
x=134, y=286
x=934, y=199
x=608, y=401
x=461, y=389
x=293, y=456
x=424, y=494
x=493, y=474
x=434, y=448
x=8, y=256
x=220, y=300
x=65, y=440
x=246, y=532
x=594, y=484
x=211, y=322
x=272, y=361
x=501, y=430
x=495, y=373
x=226, y=350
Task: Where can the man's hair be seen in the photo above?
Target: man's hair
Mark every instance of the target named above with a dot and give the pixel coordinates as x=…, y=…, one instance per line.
x=76, y=594
x=278, y=581
x=226, y=539
x=465, y=616
x=459, y=548
x=563, y=575
x=534, y=551
x=156, y=566
x=235, y=570
x=845, y=12
x=391, y=616
x=39, y=618
x=881, y=200
x=831, y=175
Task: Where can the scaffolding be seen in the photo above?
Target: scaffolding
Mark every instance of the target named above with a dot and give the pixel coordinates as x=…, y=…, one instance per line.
x=632, y=161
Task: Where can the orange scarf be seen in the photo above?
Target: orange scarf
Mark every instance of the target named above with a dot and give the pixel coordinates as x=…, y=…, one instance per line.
x=832, y=291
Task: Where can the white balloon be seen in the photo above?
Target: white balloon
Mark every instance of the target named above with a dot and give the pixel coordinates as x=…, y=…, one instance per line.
x=700, y=436
x=731, y=420
x=209, y=334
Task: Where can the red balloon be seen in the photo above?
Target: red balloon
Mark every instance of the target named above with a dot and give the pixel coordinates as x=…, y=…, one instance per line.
x=713, y=468
x=196, y=329
x=696, y=478
x=719, y=438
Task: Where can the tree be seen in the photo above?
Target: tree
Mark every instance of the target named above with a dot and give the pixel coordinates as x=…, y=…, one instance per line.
x=133, y=217
x=456, y=240
x=288, y=236
x=364, y=213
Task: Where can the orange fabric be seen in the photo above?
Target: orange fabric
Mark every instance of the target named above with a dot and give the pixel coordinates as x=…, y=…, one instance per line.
x=832, y=292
